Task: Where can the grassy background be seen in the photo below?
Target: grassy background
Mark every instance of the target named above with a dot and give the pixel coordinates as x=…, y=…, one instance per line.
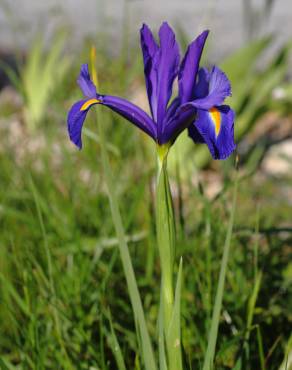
x=61, y=280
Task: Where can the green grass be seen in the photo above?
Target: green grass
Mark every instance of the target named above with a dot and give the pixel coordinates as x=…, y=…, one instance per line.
x=64, y=297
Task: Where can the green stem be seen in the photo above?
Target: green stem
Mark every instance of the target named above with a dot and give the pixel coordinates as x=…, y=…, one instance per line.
x=165, y=226
x=147, y=351
x=165, y=240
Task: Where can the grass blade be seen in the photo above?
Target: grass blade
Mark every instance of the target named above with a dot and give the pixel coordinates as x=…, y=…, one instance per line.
x=210, y=353
x=115, y=346
x=261, y=348
x=92, y=135
x=174, y=329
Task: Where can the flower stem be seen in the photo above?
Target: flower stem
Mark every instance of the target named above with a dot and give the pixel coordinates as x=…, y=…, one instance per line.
x=166, y=245
x=165, y=240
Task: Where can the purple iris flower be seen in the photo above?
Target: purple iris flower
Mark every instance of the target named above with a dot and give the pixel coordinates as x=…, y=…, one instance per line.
x=198, y=105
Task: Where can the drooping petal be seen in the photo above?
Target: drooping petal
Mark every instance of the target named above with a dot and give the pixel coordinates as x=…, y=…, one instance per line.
x=131, y=112
x=84, y=81
x=76, y=117
x=219, y=89
x=149, y=49
x=189, y=68
x=166, y=63
x=216, y=128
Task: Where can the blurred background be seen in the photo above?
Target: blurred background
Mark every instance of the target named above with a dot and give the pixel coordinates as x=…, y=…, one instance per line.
x=232, y=23
x=62, y=288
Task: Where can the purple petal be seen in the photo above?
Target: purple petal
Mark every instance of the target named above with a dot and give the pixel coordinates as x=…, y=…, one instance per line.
x=76, y=117
x=216, y=128
x=189, y=68
x=131, y=112
x=171, y=110
x=182, y=118
x=195, y=134
x=211, y=87
x=202, y=85
x=166, y=63
x=86, y=85
x=219, y=89
x=149, y=49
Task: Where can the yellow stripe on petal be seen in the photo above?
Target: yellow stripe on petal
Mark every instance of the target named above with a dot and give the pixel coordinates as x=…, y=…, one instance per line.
x=88, y=103
x=216, y=119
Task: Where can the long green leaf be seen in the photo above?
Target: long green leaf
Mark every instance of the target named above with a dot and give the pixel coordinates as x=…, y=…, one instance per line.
x=261, y=348
x=210, y=353
x=115, y=346
x=161, y=339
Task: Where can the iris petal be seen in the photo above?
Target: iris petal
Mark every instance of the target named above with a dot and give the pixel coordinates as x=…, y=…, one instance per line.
x=86, y=85
x=210, y=89
x=216, y=128
x=202, y=85
x=182, y=118
x=218, y=89
x=166, y=62
x=171, y=110
x=76, y=117
x=131, y=112
x=149, y=49
x=189, y=68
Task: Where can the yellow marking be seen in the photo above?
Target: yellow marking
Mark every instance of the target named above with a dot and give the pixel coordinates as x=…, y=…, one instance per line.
x=216, y=118
x=88, y=103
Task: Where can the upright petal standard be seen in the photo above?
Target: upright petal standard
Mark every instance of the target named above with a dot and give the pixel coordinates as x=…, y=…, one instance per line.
x=199, y=105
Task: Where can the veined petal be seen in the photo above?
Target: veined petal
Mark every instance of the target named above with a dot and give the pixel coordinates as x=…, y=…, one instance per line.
x=218, y=88
x=76, y=117
x=166, y=63
x=189, y=68
x=84, y=81
x=215, y=127
x=149, y=49
x=131, y=112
